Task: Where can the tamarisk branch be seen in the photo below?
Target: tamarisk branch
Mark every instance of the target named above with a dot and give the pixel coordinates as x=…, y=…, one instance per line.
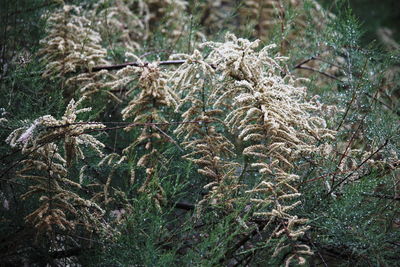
x=136, y=64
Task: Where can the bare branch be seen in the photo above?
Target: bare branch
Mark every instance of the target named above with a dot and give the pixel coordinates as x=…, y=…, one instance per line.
x=136, y=64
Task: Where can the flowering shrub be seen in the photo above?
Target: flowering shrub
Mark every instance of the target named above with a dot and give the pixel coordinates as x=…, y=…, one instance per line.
x=192, y=148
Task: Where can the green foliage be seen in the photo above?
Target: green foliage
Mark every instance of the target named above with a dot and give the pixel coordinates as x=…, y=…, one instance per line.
x=147, y=245
x=358, y=225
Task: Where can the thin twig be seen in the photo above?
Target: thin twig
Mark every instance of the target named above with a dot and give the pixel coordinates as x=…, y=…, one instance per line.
x=327, y=62
x=336, y=173
x=319, y=254
x=168, y=137
x=230, y=252
x=353, y=97
x=184, y=206
x=136, y=64
x=320, y=72
x=358, y=167
x=348, y=146
x=126, y=124
x=326, y=175
x=317, y=58
x=397, y=112
x=148, y=124
x=305, y=61
x=382, y=196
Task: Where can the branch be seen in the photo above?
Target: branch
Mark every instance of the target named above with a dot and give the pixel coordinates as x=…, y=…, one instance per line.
x=304, y=62
x=318, y=71
x=382, y=196
x=147, y=124
x=230, y=252
x=353, y=97
x=300, y=66
x=397, y=112
x=184, y=206
x=67, y=253
x=358, y=167
x=168, y=137
x=348, y=146
x=136, y=64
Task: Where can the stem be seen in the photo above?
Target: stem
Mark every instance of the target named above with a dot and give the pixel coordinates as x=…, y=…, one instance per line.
x=354, y=96
x=358, y=167
x=135, y=64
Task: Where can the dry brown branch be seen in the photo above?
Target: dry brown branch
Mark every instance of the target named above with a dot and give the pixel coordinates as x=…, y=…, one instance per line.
x=135, y=64
x=318, y=71
x=358, y=167
x=381, y=196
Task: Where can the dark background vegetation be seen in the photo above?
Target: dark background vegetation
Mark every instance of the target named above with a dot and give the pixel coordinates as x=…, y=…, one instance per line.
x=373, y=15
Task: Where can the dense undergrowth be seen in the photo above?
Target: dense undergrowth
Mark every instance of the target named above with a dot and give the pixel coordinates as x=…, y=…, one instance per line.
x=199, y=133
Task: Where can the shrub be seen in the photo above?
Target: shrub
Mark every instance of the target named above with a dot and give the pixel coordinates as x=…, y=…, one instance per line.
x=187, y=146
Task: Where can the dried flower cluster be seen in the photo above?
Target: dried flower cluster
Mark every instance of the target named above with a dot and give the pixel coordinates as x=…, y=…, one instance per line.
x=137, y=22
x=147, y=108
x=264, y=15
x=70, y=45
x=270, y=117
x=209, y=147
x=61, y=208
x=238, y=112
x=70, y=50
